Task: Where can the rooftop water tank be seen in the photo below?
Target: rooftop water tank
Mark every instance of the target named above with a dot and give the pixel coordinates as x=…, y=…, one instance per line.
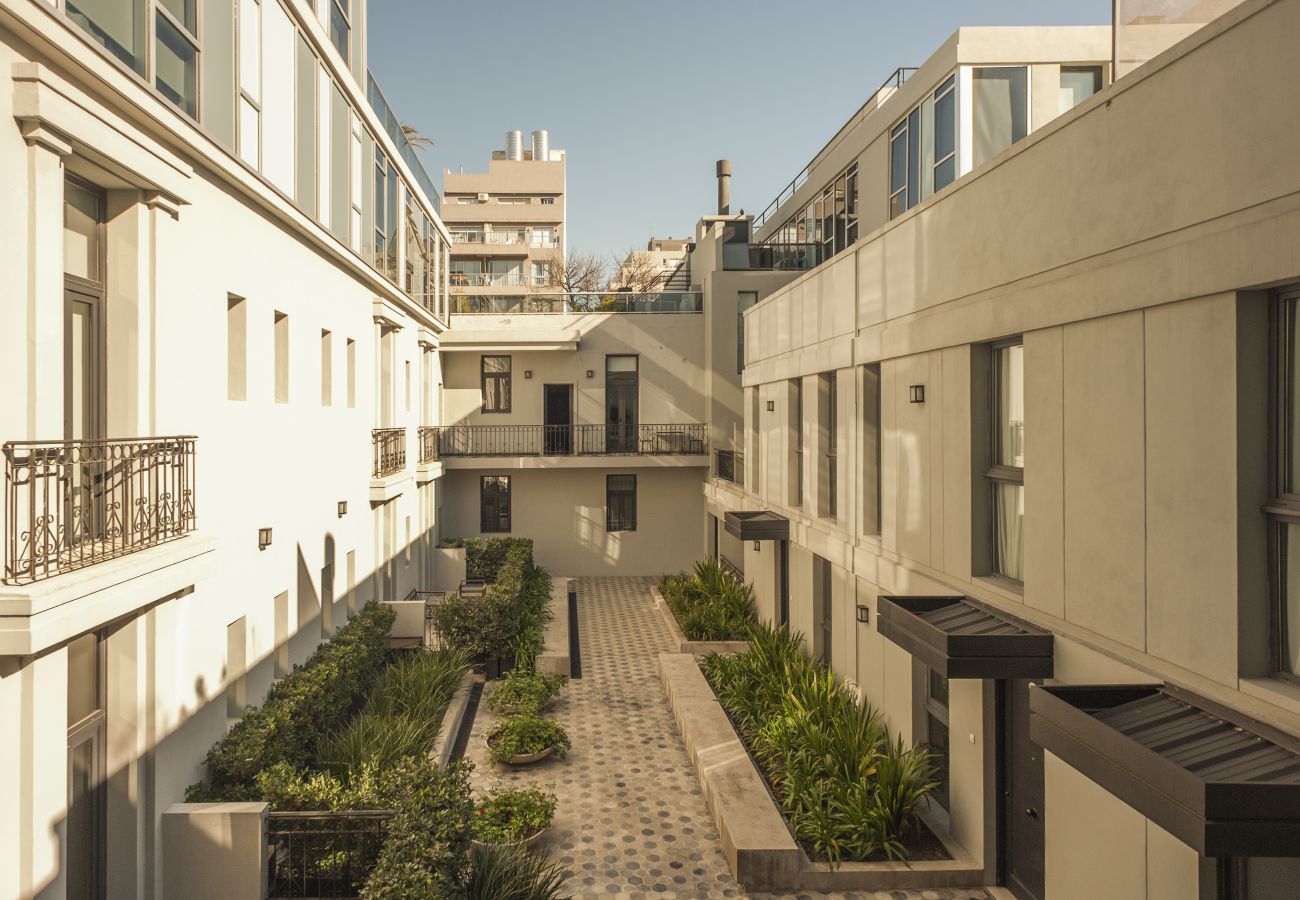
x=542, y=145
x=514, y=145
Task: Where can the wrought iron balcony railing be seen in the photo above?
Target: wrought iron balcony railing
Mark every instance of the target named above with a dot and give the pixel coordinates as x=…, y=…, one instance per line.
x=71, y=504
x=731, y=466
x=572, y=440
x=568, y=303
x=428, y=435
x=389, y=451
x=323, y=854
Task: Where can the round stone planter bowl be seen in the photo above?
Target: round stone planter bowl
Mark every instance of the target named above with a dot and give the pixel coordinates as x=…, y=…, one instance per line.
x=524, y=758
x=529, y=842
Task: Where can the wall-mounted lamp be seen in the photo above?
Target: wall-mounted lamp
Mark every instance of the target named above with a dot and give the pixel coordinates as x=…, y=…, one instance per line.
x=263, y=538
x=916, y=393
x=528, y=373
x=591, y=374
x=864, y=614
x=343, y=508
x=771, y=406
x=757, y=545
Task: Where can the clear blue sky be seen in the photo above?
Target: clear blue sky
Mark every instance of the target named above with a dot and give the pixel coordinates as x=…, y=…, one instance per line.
x=646, y=96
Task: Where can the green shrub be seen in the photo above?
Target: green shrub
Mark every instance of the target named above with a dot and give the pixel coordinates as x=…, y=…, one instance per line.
x=299, y=710
x=485, y=556
x=524, y=690
x=506, y=816
x=510, y=617
x=523, y=734
x=506, y=872
x=710, y=604
x=848, y=791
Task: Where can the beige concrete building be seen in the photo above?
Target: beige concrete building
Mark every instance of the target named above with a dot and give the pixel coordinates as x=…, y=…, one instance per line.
x=220, y=331
x=1028, y=426
x=507, y=224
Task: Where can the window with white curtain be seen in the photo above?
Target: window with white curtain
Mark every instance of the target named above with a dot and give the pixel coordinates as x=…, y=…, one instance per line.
x=1006, y=475
x=1001, y=108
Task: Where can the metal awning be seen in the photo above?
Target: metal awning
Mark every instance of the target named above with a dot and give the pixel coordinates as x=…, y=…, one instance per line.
x=758, y=526
x=1222, y=784
x=961, y=638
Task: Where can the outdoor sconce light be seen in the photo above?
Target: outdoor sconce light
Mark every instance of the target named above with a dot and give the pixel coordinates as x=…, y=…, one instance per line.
x=916, y=393
x=343, y=508
x=528, y=373
x=263, y=538
x=771, y=406
x=591, y=374
x=757, y=545
x=864, y=614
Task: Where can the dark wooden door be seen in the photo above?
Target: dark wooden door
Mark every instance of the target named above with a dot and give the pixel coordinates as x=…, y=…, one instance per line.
x=621, y=390
x=1024, y=817
x=557, y=411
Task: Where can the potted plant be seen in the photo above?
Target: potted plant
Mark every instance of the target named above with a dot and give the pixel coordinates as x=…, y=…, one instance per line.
x=513, y=817
x=525, y=738
x=525, y=691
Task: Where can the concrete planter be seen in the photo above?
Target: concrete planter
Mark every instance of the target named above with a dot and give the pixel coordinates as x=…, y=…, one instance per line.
x=531, y=841
x=760, y=849
x=452, y=720
x=525, y=758
x=695, y=647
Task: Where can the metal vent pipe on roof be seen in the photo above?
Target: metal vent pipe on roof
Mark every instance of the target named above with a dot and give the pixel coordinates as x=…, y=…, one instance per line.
x=514, y=145
x=724, y=187
x=541, y=145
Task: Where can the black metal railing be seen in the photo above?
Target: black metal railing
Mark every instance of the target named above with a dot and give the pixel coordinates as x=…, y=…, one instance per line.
x=731, y=466
x=389, y=451
x=323, y=854
x=572, y=440
x=730, y=567
x=541, y=303
x=428, y=435
x=71, y=504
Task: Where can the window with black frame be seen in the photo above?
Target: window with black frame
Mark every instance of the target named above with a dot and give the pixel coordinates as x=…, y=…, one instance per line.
x=1284, y=507
x=496, y=384
x=620, y=503
x=936, y=732
x=1006, y=474
x=494, y=504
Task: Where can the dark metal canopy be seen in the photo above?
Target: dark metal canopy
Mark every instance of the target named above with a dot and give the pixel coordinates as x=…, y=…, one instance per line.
x=758, y=526
x=961, y=638
x=1223, y=784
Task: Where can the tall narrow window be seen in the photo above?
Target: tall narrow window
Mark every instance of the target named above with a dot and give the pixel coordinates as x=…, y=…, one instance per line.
x=1078, y=83
x=340, y=166
x=744, y=300
x=406, y=373
x=176, y=53
x=236, y=348
x=326, y=368
x=1284, y=510
x=871, y=443
x=936, y=729
x=1001, y=109
x=494, y=504
x=281, y=358
x=755, y=466
x=828, y=426
x=119, y=26
x=341, y=28
x=620, y=503
x=495, y=374
x=352, y=373
x=1006, y=476
x=796, y=441
x=236, y=664
x=249, y=119
x=218, y=71
x=823, y=609
x=281, y=634
x=945, y=133
x=898, y=169
x=305, y=142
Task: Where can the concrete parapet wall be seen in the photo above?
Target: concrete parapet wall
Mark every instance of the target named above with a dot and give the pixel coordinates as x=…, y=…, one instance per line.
x=215, y=851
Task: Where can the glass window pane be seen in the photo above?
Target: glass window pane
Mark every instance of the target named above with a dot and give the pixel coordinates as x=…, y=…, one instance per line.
x=117, y=25
x=81, y=217
x=249, y=133
x=937, y=738
x=1078, y=83
x=184, y=11
x=340, y=32
x=620, y=364
x=1001, y=111
x=938, y=688
x=1010, y=375
x=340, y=129
x=1008, y=538
x=218, y=62
x=914, y=158
x=945, y=126
x=945, y=173
x=305, y=131
x=1290, y=599
x=898, y=161
x=175, y=67
x=83, y=678
x=1291, y=390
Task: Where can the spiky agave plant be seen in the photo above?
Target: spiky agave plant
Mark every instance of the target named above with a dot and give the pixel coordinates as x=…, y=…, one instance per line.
x=510, y=872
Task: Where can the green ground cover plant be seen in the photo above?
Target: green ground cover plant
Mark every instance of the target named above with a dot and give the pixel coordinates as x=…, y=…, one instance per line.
x=525, y=690
x=523, y=734
x=709, y=603
x=848, y=791
x=504, y=817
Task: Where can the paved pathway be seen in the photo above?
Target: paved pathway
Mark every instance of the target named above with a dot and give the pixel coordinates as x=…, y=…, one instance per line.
x=632, y=821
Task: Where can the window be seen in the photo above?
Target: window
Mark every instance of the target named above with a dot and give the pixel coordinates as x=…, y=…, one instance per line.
x=340, y=141
x=540, y=275
x=118, y=26
x=496, y=384
x=823, y=609
x=620, y=503
x=352, y=373
x=249, y=119
x=945, y=133
x=305, y=142
x=494, y=504
x=281, y=634
x=548, y=201
x=218, y=71
x=544, y=237
x=796, y=441
x=341, y=28
x=1006, y=475
x=1078, y=83
x=923, y=149
x=1001, y=106
x=936, y=730
x=829, y=480
x=176, y=53
x=236, y=348
x=871, y=443
x=1284, y=510
x=281, y=358
x=326, y=368
x=745, y=299
x=385, y=215
x=236, y=664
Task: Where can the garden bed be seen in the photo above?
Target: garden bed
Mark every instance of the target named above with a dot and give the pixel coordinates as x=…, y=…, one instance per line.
x=708, y=609
x=760, y=848
x=687, y=646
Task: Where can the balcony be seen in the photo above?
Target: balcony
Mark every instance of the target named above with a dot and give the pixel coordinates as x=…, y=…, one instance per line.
x=389, y=455
x=504, y=238
x=564, y=304
x=783, y=257
x=72, y=504
x=557, y=443
x=730, y=466
x=428, y=436
x=492, y=279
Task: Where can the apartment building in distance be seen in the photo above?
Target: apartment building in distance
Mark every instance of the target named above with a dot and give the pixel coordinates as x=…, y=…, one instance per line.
x=507, y=224
x=220, y=327
x=1021, y=444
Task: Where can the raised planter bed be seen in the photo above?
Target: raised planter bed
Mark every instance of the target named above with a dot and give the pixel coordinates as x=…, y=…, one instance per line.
x=694, y=647
x=452, y=720
x=555, y=658
x=759, y=847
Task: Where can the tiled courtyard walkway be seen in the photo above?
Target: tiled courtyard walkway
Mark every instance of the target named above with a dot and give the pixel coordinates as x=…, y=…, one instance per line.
x=632, y=821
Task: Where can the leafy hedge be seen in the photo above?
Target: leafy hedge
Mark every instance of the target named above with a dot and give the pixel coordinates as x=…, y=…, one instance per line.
x=509, y=618
x=710, y=604
x=299, y=710
x=848, y=791
x=485, y=556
